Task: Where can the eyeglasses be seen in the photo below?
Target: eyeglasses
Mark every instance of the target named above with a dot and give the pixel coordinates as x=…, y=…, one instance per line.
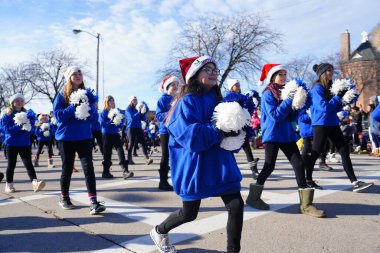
x=211, y=71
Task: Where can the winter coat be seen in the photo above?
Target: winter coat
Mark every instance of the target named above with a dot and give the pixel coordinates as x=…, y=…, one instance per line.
x=200, y=168
x=304, y=124
x=163, y=107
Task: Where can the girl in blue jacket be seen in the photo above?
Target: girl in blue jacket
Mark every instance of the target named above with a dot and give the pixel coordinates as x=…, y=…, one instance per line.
x=74, y=136
x=111, y=126
x=135, y=133
x=278, y=133
x=200, y=168
x=43, y=133
x=325, y=122
x=234, y=92
x=17, y=141
x=169, y=86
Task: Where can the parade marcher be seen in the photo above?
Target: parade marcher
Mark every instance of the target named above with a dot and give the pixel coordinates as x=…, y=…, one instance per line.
x=278, y=133
x=376, y=113
x=325, y=122
x=234, y=92
x=200, y=168
x=74, y=108
x=152, y=130
x=135, y=113
x=170, y=87
x=18, y=124
x=43, y=133
x=111, y=121
x=97, y=135
x=373, y=129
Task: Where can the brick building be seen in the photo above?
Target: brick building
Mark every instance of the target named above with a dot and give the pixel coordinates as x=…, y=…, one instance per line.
x=363, y=64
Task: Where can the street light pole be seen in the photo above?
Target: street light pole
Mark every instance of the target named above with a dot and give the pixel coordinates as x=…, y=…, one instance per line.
x=97, y=36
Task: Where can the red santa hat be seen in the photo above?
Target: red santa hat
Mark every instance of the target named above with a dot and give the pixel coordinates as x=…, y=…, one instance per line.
x=268, y=71
x=168, y=80
x=190, y=66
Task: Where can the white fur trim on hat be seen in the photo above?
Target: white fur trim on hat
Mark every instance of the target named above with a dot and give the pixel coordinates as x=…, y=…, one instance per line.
x=130, y=98
x=197, y=65
x=274, y=70
x=16, y=96
x=231, y=83
x=70, y=71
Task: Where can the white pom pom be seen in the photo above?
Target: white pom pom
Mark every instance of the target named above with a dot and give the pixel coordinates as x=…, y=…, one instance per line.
x=46, y=133
x=143, y=125
x=152, y=129
x=115, y=116
x=230, y=116
x=340, y=115
x=350, y=96
x=21, y=118
x=79, y=96
x=143, y=108
x=82, y=111
x=27, y=126
x=290, y=87
x=233, y=143
x=299, y=99
x=255, y=101
x=53, y=121
x=44, y=126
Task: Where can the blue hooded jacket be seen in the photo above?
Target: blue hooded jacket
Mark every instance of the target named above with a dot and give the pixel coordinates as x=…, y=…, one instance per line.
x=200, y=168
x=14, y=135
x=107, y=126
x=323, y=112
x=69, y=128
x=163, y=107
x=134, y=117
x=276, y=119
x=304, y=123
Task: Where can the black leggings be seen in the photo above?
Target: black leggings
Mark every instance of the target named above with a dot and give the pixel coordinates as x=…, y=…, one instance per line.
x=247, y=150
x=291, y=152
x=99, y=139
x=164, y=164
x=113, y=141
x=84, y=150
x=26, y=157
x=321, y=134
x=136, y=135
x=234, y=204
x=41, y=145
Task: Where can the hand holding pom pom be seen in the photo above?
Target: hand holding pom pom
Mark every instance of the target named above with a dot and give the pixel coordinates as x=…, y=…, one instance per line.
x=345, y=89
x=81, y=102
x=21, y=119
x=296, y=91
x=115, y=116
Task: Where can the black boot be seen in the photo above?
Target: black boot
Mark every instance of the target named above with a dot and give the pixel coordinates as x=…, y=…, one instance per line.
x=126, y=173
x=164, y=185
x=106, y=170
x=130, y=161
x=253, y=166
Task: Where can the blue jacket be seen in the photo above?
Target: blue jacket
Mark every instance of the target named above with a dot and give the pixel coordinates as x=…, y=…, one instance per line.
x=53, y=129
x=323, y=112
x=163, y=107
x=95, y=125
x=200, y=168
x=107, y=126
x=276, y=119
x=14, y=135
x=40, y=134
x=304, y=123
x=154, y=134
x=376, y=113
x=133, y=117
x=69, y=128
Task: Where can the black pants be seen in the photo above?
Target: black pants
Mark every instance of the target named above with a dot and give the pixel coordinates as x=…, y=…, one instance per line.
x=321, y=134
x=164, y=164
x=247, y=150
x=26, y=157
x=113, y=141
x=84, y=150
x=136, y=135
x=234, y=204
x=99, y=139
x=41, y=145
x=291, y=152
x=306, y=152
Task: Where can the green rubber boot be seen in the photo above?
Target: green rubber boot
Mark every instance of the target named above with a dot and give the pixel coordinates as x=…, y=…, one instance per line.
x=254, y=197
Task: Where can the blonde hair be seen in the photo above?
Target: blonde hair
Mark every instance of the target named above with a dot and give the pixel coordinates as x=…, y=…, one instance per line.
x=11, y=108
x=68, y=89
x=105, y=102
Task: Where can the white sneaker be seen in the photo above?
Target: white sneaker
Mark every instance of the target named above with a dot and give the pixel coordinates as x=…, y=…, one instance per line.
x=9, y=188
x=162, y=242
x=38, y=185
x=333, y=158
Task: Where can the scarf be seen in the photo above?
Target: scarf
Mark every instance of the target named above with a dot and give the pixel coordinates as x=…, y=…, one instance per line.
x=275, y=89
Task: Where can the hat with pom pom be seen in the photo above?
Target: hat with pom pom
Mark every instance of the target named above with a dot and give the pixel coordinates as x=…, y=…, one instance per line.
x=267, y=72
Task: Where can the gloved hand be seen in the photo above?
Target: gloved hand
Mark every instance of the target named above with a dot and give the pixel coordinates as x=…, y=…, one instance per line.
x=291, y=95
x=229, y=134
x=341, y=93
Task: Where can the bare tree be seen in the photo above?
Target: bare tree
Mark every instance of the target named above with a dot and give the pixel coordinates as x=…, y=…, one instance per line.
x=45, y=72
x=237, y=44
x=302, y=68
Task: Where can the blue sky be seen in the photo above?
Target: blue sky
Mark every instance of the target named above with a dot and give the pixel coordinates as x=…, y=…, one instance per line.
x=138, y=34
